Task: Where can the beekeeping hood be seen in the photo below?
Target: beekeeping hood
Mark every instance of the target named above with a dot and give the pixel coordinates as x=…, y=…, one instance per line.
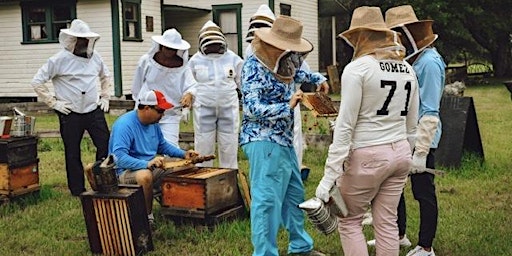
x=368, y=34
x=416, y=34
x=171, y=38
x=68, y=37
x=281, y=48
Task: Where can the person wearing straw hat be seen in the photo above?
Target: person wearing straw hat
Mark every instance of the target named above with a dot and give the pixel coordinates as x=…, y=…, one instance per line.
x=266, y=137
x=137, y=144
x=417, y=36
x=164, y=68
x=216, y=106
x=264, y=17
x=370, y=156
x=74, y=72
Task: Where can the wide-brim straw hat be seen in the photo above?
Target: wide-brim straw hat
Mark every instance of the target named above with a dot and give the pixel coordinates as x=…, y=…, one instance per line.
x=364, y=18
x=285, y=34
x=420, y=30
x=171, y=39
x=79, y=28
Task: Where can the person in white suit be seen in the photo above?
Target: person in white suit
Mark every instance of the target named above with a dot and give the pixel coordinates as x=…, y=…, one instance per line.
x=216, y=109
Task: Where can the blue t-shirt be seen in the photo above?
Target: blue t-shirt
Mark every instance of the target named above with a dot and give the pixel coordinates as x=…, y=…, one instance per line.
x=430, y=71
x=134, y=144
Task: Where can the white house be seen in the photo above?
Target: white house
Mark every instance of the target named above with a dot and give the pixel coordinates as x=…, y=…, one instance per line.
x=29, y=30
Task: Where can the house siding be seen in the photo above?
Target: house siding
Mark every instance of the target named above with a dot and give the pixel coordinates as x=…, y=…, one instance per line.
x=19, y=62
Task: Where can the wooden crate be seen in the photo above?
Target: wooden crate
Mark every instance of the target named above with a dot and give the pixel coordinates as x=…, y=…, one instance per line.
x=19, y=180
x=117, y=222
x=18, y=150
x=199, y=192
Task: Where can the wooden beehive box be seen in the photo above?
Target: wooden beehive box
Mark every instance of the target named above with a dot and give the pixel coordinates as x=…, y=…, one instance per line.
x=18, y=180
x=198, y=192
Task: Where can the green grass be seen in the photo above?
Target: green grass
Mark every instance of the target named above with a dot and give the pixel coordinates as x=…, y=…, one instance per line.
x=475, y=202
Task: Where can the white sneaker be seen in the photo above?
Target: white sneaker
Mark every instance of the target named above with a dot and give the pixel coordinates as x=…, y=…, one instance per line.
x=419, y=251
x=367, y=219
x=404, y=242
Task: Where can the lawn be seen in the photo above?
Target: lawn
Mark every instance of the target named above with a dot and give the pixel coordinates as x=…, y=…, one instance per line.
x=475, y=201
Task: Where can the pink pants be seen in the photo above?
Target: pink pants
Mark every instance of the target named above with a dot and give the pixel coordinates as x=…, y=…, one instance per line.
x=375, y=175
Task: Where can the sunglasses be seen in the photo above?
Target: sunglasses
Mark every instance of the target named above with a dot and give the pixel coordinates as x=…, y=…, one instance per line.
x=158, y=110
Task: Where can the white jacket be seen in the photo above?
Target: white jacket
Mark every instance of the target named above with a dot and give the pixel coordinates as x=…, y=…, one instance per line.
x=172, y=82
x=217, y=76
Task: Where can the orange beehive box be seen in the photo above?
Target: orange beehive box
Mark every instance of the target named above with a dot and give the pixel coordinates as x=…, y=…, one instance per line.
x=200, y=191
x=18, y=180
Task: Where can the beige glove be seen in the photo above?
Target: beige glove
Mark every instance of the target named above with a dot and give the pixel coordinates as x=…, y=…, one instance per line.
x=44, y=94
x=105, y=88
x=426, y=130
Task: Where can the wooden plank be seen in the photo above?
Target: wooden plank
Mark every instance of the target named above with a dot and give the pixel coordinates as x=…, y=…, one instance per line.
x=24, y=176
x=4, y=177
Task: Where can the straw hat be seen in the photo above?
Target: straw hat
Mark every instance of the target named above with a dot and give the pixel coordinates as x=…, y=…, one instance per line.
x=171, y=39
x=79, y=28
x=285, y=34
x=420, y=30
x=263, y=17
x=364, y=18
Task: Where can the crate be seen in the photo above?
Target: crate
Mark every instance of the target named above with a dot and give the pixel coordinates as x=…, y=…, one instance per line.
x=17, y=151
x=200, y=192
x=19, y=180
x=117, y=222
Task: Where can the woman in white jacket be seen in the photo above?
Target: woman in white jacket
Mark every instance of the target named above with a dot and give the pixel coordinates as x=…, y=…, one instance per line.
x=164, y=68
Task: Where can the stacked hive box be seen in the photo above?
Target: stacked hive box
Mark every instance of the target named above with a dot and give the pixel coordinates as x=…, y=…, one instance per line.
x=202, y=195
x=19, y=167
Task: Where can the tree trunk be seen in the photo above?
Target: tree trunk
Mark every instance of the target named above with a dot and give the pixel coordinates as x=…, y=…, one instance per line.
x=502, y=58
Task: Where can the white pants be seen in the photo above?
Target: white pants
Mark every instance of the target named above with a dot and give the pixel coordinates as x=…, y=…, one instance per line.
x=217, y=124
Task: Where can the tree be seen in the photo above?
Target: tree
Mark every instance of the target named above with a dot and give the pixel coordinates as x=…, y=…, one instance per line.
x=475, y=29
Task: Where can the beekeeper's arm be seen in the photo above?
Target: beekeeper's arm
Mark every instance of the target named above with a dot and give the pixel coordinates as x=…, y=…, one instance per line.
x=106, y=83
x=43, y=75
x=430, y=91
x=342, y=137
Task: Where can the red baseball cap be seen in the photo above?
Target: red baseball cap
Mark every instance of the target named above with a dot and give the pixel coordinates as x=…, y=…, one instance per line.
x=155, y=98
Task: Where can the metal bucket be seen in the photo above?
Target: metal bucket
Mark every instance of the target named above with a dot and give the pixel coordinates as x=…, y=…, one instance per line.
x=105, y=176
x=320, y=215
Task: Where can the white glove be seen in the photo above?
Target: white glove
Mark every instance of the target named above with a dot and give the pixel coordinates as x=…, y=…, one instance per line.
x=323, y=189
x=185, y=115
x=63, y=107
x=427, y=127
x=104, y=104
x=419, y=163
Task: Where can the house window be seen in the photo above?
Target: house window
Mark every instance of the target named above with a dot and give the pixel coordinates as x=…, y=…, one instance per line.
x=131, y=20
x=285, y=9
x=228, y=17
x=42, y=21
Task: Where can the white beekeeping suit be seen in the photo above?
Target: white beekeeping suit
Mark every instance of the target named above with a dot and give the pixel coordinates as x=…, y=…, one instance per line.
x=173, y=82
x=216, y=107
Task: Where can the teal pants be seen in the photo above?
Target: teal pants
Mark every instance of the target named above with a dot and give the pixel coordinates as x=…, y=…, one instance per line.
x=276, y=192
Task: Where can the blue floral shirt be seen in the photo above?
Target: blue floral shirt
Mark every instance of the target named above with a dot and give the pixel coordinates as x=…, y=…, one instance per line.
x=267, y=115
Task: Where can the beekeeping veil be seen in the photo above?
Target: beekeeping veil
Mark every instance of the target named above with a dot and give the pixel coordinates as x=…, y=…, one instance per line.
x=262, y=18
x=78, y=28
x=171, y=38
x=368, y=34
x=416, y=35
x=281, y=48
x=210, y=34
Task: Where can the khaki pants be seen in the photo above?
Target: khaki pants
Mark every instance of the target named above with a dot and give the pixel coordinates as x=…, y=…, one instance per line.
x=128, y=177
